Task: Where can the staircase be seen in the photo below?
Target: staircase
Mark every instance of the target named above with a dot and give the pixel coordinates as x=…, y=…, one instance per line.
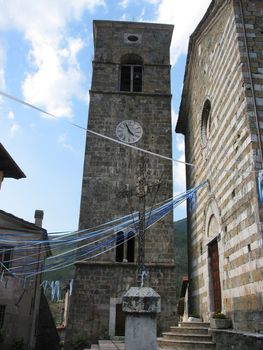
x=189, y=335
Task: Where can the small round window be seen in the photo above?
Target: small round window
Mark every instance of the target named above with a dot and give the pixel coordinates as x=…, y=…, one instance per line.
x=206, y=122
x=133, y=38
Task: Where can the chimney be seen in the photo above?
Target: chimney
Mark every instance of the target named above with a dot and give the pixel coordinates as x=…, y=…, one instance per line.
x=39, y=214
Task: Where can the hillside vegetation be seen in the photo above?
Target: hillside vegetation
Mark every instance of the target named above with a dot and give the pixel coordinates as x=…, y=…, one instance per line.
x=180, y=243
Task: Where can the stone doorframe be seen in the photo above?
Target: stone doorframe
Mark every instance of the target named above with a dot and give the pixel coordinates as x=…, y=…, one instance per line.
x=213, y=232
x=112, y=318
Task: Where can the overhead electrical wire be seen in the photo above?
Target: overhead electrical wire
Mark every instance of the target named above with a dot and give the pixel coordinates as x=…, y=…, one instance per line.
x=91, y=131
x=110, y=138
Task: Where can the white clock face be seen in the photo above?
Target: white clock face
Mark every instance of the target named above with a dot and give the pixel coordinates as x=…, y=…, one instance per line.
x=129, y=131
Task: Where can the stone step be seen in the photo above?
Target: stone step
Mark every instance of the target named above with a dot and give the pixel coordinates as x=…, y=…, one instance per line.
x=184, y=345
x=189, y=330
x=187, y=337
x=111, y=345
x=194, y=324
x=95, y=347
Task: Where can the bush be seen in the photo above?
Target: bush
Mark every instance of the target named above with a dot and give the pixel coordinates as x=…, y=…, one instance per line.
x=79, y=342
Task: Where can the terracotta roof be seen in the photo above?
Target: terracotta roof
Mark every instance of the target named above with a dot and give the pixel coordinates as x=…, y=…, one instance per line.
x=8, y=165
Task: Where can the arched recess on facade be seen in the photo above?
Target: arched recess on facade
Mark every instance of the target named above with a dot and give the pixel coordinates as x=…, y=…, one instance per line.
x=214, y=263
x=212, y=220
x=131, y=73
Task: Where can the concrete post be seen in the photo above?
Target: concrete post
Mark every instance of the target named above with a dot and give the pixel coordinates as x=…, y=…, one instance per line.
x=141, y=305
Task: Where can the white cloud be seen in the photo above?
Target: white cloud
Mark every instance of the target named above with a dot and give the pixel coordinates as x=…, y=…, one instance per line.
x=54, y=76
x=141, y=15
x=2, y=70
x=124, y=3
x=11, y=115
x=180, y=143
x=179, y=178
x=154, y=2
x=14, y=129
x=185, y=15
x=124, y=17
x=87, y=97
x=62, y=140
x=179, y=154
x=179, y=168
x=174, y=120
x=43, y=15
x=57, y=78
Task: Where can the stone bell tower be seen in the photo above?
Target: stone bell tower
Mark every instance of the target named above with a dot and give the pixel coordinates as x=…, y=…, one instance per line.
x=130, y=101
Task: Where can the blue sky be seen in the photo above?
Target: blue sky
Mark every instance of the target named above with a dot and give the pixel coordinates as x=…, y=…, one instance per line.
x=46, y=52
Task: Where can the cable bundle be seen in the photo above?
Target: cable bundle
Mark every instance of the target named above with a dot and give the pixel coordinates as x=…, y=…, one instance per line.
x=29, y=255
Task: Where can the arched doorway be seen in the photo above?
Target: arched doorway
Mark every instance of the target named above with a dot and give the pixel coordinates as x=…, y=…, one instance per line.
x=213, y=268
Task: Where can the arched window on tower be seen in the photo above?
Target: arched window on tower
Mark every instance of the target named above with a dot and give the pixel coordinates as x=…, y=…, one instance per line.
x=131, y=73
x=120, y=247
x=125, y=247
x=130, y=247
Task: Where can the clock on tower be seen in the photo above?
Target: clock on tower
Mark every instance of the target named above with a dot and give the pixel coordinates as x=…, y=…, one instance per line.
x=129, y=131
x=130, y=100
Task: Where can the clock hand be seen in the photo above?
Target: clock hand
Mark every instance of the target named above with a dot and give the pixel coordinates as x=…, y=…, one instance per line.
x=129, y=130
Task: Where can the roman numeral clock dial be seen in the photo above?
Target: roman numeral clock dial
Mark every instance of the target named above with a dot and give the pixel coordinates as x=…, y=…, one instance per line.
x=129, y=131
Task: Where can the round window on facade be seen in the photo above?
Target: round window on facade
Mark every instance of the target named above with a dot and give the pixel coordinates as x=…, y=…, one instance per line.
x=132, y=38
x=206, y=122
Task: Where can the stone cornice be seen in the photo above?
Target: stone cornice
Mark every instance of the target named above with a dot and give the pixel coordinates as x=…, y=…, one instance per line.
x=141, y=94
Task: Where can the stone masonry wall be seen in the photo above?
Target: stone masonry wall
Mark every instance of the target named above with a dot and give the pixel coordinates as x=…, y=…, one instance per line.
x=97, y=282
x=229, y=340
x=110, y=168
x=228, y=209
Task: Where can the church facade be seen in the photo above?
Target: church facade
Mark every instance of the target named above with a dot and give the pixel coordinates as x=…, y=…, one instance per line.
x=130, y=101
x=221, y=117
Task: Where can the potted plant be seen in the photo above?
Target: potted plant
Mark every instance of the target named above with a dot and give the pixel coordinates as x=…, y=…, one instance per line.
x=219, y=321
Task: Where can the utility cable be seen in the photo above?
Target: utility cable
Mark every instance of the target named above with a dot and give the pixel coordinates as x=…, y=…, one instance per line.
x=93, y=132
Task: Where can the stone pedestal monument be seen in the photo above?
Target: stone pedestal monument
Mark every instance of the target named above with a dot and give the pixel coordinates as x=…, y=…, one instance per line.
x=141, y=305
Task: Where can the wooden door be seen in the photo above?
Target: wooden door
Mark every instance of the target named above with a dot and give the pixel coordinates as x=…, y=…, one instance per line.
x=215, y=276
x=120, y=321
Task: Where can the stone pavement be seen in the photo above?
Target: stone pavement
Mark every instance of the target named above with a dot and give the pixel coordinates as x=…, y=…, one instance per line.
x=108, y=345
